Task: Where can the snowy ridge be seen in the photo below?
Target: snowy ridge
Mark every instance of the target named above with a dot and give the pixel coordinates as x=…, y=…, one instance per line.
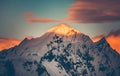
x=61, y=51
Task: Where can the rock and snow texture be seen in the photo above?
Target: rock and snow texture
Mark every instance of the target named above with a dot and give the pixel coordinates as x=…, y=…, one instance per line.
x=61, y=51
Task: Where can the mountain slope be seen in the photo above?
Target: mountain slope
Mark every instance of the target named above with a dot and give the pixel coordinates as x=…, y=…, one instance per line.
x=61, y=51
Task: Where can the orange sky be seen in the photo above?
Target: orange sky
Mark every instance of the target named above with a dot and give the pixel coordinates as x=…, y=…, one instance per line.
x=114, y=41
x=6, y=43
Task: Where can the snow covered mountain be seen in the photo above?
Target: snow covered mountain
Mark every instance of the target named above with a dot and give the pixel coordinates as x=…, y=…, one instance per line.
x=61, y=51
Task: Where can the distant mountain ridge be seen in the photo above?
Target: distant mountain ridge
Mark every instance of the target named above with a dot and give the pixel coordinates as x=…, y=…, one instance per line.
x=61, y=51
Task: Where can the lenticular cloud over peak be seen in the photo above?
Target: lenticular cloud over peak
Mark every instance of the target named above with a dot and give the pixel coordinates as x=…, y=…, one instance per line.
x=94, y=11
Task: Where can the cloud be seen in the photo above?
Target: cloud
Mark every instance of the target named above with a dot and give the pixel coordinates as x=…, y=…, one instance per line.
x=113, y=39
x=114, y=33
x=94, y=11
x=31, y=18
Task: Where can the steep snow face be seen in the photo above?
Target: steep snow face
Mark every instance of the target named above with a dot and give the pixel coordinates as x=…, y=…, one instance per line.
x=81, y=59
x=61, y=51
x=64, y=29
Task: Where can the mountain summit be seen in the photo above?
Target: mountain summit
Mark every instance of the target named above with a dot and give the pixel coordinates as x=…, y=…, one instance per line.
x=64, y=29
x=61, y=51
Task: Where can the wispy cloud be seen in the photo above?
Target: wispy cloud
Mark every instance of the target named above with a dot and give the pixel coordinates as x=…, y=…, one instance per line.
x=113, y=39
x=94, y=11
x=30, y=17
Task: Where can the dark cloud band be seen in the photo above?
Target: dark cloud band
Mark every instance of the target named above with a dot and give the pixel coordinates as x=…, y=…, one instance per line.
x=94, y=11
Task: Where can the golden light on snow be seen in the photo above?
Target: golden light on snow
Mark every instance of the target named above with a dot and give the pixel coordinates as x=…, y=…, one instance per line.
x=64, y=29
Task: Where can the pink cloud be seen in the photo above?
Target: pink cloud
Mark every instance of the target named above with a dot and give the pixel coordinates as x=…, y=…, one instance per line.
x=31, y=18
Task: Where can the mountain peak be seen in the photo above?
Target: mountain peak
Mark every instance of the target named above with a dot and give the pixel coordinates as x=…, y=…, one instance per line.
x=64, y=29
x=103, y=40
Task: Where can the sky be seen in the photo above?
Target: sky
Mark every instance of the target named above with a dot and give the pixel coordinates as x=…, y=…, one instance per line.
x=22, y=18
x=14, y=16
